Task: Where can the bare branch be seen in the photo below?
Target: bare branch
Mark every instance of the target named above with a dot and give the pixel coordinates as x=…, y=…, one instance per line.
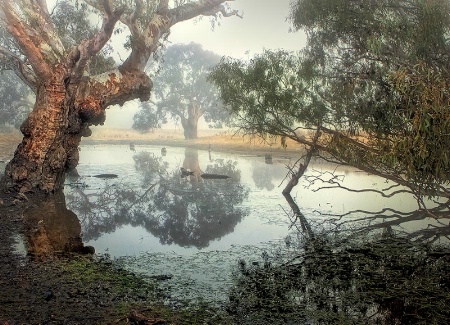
x=201, y=7
x=336, y=185
x=295, y=176
x=88, y=48
x=22, y=70
x=21, y=34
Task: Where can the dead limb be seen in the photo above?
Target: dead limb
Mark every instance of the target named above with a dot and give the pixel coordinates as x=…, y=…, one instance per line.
x=295, y=176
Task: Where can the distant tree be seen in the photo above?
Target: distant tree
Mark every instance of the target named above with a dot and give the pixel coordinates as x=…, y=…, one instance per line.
x=370, y=89
x=183, y=93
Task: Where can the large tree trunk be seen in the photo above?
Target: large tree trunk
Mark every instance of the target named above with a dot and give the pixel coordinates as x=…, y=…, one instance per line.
x=189, y=128
x=190, y=124
x=48, y=147
x=53, y=131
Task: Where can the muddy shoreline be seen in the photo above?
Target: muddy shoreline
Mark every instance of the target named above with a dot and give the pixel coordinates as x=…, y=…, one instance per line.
x=68, y=288
x=47, y=291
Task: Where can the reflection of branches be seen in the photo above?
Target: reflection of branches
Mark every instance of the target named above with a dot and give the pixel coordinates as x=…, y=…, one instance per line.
x=194, y=211
x=382, y=280
x=142, y=196
x=178, y=211
x=387, y=218
x=383, y=213
x=361, y=221
x=299, y=216
x=431, y=234
x=103, y=210
x=335, y=181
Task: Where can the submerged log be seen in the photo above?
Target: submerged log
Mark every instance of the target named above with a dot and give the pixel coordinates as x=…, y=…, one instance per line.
x=185, y=172
x=105, y=176
x=214, y=176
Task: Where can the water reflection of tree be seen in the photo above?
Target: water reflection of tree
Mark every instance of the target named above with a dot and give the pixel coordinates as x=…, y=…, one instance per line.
x=264, y=175
x=51, y=228
x=381, y=277
x=186, y=211
x=103, y=210
x=193, y=211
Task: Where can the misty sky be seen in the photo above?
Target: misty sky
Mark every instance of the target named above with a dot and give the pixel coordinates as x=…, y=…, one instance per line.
x=264, y=26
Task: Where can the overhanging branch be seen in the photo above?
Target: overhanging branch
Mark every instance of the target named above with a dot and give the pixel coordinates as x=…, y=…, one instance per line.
x=201, y=7
x=90, y=47
x=21, y=34
x=295, y=176
x=23, y=71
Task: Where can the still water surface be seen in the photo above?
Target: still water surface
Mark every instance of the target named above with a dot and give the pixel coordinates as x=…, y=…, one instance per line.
x=195, y=231
x=251, y=210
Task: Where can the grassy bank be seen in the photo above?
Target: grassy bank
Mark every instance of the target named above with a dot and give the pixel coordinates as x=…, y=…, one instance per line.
x=208, y=139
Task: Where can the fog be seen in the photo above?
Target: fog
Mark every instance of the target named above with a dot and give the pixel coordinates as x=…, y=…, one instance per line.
x=264, y=26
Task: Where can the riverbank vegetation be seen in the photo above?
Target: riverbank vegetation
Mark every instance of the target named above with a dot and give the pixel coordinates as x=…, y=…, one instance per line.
x=370, y=89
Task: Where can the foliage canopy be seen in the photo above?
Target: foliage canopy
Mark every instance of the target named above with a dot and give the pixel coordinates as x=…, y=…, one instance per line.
x=373, y=78
x=182, y=91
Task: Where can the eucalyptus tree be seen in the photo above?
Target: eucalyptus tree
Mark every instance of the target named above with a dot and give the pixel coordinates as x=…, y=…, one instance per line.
x=387, y=66
x=370, y=89
x=72, y=22
x=69, y=96
x=182, y=92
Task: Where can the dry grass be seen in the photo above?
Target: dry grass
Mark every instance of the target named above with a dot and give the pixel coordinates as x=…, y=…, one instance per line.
x=8, y=144
x=215, y=139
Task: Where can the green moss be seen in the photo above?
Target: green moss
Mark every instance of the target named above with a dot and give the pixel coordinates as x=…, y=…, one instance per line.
x=91, y=271
x=128, y=292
